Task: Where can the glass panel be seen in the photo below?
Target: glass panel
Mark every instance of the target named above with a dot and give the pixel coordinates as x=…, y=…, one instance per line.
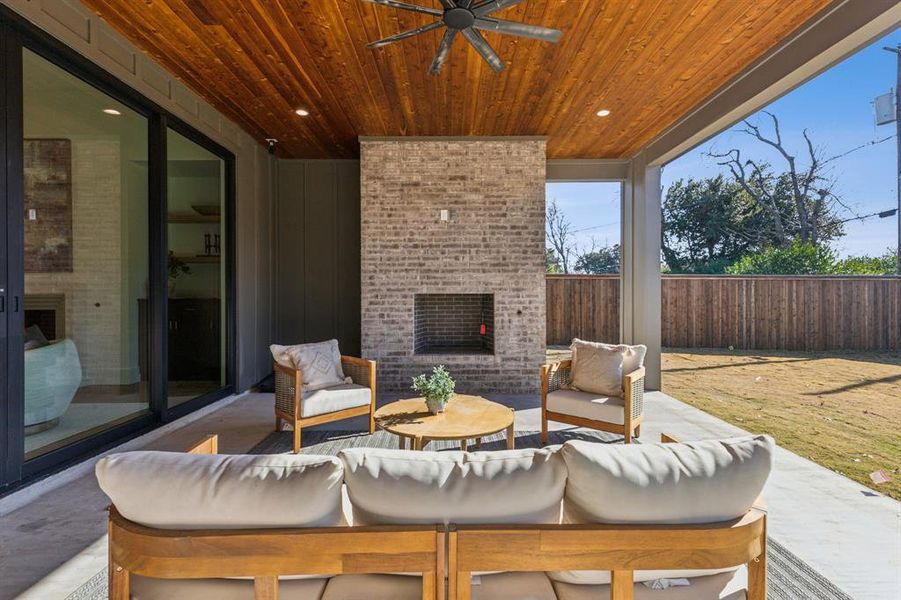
x=196, y=325
x=86, y=258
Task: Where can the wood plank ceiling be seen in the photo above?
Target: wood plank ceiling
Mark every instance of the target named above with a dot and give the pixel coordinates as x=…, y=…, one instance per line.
x=647, y=61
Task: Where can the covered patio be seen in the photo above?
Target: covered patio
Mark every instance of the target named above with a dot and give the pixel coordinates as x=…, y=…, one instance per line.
x=252, y=195
x=836, y=528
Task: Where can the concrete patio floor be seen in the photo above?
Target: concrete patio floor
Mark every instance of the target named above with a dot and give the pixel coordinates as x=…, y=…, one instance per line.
x=52, y=534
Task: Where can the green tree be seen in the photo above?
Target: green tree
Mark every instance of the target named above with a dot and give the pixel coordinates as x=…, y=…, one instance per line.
x=600, y=261
x=552, y=261
x=708, y=224
x=796, y=259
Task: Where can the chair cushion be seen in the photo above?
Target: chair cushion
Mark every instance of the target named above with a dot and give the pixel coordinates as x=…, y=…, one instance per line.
x=508, y=486
x=723, y=586
x=598, y=368
x=503, y=586
x=700, y=482
x=610, y=409
x=196, y=491
x=146, y=588
x=332, y=399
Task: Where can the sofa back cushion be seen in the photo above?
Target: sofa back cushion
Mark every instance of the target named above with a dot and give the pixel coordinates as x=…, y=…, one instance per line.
x=700, y=482
x=403, y=487
x=171, y=490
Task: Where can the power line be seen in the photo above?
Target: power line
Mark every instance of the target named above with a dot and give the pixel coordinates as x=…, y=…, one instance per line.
x=881, y=214
x=861, y=147
x=595, y=227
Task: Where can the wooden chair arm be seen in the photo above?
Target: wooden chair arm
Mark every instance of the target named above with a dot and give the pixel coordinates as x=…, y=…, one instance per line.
x=287, y=400
x=552, y=375
x=633, y=377
x=362, y=371
x=633, y=393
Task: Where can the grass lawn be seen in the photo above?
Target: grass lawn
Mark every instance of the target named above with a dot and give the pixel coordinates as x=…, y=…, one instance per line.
x=841, y=410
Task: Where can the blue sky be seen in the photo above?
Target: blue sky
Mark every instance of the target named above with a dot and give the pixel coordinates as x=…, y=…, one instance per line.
x=836, y=109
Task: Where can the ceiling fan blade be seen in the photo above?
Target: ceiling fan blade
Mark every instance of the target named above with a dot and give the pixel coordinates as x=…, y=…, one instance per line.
x=489, y=6
x=448, y=4
x=536, y=32
x=406, y=34
x=464, y=3
x=443, y=51
x=484, y=48
x=407, y=6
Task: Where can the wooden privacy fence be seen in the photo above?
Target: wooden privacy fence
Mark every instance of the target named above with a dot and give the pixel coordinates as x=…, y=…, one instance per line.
x=748, y=312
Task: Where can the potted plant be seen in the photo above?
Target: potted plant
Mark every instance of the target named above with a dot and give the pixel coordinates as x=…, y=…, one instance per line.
x=176, y=267
x=437, y=389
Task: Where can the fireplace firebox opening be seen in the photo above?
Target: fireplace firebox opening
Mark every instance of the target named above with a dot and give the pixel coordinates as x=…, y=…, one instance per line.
x=453, y=323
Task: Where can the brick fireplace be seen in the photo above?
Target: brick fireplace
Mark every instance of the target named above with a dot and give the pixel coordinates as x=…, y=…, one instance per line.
x=453, y=245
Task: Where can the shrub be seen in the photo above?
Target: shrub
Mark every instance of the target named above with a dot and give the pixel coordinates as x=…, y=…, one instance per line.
x=796, y=259
x=867, y=265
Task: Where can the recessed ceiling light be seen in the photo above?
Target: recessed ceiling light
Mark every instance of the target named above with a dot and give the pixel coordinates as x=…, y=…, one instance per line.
x=112, y=111
x=302, y=112
x=604, y=113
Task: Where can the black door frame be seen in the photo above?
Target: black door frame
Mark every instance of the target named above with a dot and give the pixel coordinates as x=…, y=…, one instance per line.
x=16, y=34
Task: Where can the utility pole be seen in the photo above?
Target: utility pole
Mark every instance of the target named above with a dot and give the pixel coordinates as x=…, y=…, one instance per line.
x=897, y=52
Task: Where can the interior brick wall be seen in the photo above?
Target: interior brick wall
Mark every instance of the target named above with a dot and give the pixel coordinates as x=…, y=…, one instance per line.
x=492, y=244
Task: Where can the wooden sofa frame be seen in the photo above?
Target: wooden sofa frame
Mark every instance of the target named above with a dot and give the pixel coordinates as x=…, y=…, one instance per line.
x=621, y=549
x=266, y=554
x=555, y=376
x=434, y=550
x=288, y=397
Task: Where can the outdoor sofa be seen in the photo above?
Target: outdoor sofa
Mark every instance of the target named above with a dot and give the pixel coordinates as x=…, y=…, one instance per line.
x=541, y=524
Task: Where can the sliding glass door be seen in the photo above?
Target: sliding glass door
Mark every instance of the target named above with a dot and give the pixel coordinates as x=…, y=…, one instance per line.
x=196, y=216
x=116, y=277
x=85, y=258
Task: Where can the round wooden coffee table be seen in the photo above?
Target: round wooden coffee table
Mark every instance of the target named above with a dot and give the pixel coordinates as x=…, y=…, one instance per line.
x=464, y=418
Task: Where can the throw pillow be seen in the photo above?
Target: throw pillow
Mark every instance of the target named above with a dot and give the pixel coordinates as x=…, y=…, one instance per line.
x=598, y=368
x=319, y=363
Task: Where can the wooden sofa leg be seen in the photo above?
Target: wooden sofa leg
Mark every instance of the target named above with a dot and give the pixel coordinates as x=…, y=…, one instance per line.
x=543, y=428
x=627, y=435
x=638, y=431
x=278, y=423
x=621, y=585
x=757, y=577
x=265, y=588
x=297, y=437
x=119, y=584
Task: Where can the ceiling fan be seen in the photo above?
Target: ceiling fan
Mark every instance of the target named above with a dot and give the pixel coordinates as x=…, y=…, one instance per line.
x=467, y=17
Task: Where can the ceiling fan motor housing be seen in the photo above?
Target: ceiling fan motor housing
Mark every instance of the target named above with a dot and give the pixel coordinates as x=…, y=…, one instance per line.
x=459, y=18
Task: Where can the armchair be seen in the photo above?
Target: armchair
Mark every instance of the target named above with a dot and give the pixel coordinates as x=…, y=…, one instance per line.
x=614, y=414
x=325, y=405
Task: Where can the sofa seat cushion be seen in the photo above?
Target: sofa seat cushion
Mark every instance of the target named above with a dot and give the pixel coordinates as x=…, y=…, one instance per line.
x=197, y=491
x=724, y=586
x=403, y=487
x=146, y=588
x=503, y=586
x=700, y=482
x=333, y=399
x=610, y=409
